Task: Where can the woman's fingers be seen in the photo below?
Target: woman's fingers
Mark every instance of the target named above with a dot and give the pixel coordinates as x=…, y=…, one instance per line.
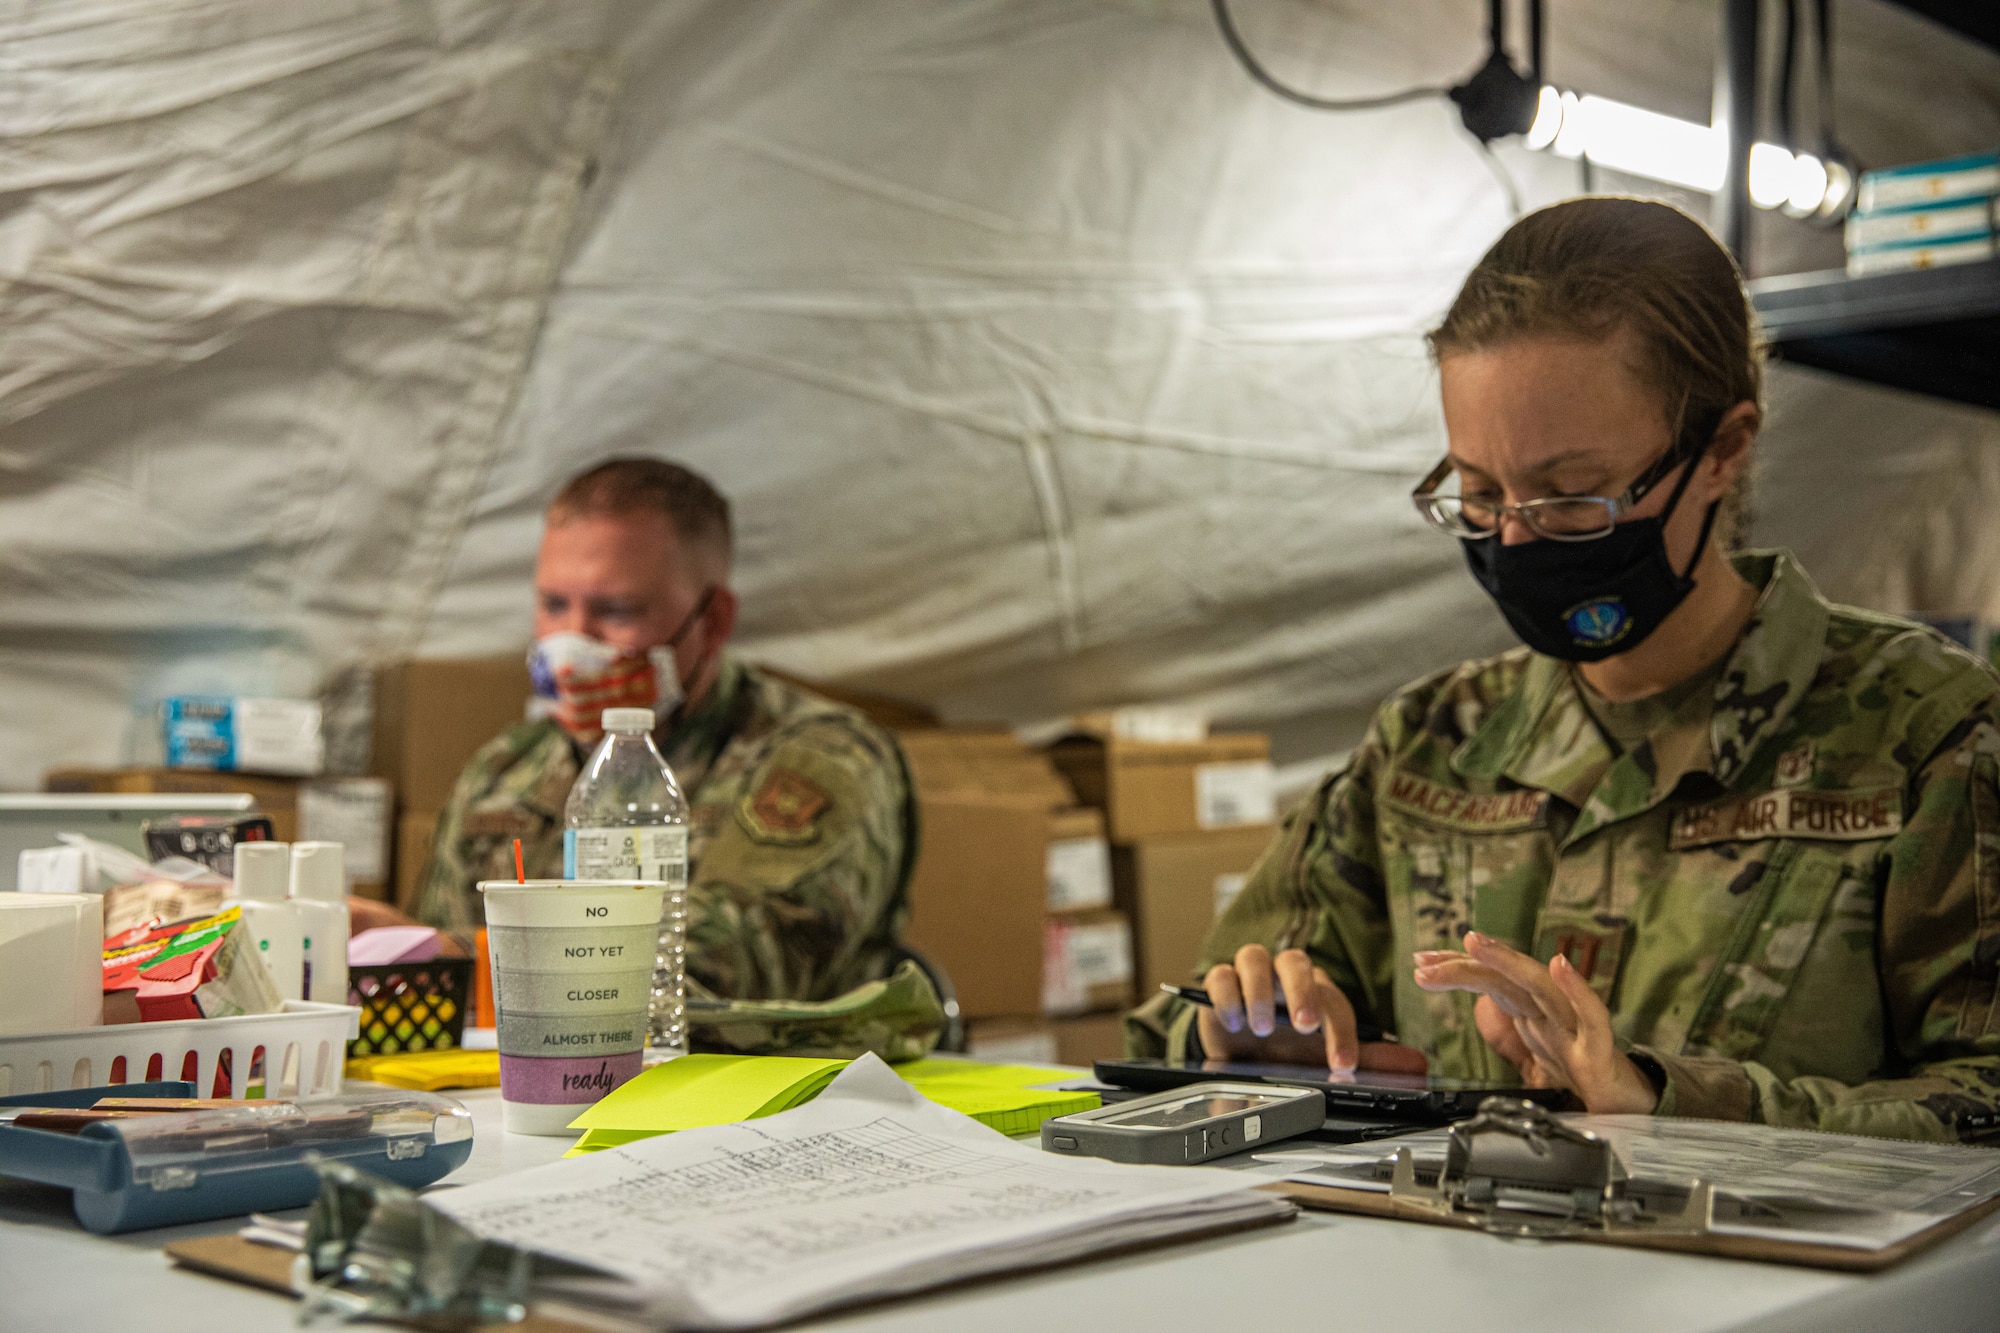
x=1503, y=1036
x=1585, y=1007
x=1455, y=971
x=1254, y=975
x=1225, y=995
x=1298, y=983
x=1334, y=1013
x=1526, y=973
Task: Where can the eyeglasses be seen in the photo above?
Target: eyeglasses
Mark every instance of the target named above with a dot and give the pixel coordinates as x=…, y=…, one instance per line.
x=1563, y=518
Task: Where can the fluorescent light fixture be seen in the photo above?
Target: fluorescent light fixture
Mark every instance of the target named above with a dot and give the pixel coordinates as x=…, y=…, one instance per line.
x=1641, y=142
x=1680, y=152
x=1548, y=119
x=1770, y=175
x=1811, y=185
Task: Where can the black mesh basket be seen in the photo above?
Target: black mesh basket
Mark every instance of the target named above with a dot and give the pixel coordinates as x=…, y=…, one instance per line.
x=410, y=1006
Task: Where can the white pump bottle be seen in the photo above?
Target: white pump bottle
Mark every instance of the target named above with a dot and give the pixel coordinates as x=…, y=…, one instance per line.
x=263, y=875
x=319, y=895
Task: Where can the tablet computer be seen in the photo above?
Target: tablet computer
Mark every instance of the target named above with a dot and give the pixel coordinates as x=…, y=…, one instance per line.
x=1364, y=1092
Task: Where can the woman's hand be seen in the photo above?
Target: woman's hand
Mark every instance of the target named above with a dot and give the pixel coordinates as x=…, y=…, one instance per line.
x=1244, y=1021
x=367, y=914
x=1547, y=1021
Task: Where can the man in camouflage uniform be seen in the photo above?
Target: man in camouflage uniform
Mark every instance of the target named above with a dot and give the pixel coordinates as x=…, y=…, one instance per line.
x=801, y=822
x=1783, y=878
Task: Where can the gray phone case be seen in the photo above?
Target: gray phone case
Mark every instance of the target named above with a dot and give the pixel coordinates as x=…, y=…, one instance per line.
x=1277, y=1113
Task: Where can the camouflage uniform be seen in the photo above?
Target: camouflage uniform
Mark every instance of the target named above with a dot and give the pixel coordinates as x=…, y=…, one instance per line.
x=1788, y=893
x=801, y=835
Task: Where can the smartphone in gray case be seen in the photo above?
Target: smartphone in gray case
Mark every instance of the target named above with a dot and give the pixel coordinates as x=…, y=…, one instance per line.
x=1187, y=1125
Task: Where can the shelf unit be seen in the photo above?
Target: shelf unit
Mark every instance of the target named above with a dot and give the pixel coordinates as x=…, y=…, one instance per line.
x=1934, y=331
x=1931, y=331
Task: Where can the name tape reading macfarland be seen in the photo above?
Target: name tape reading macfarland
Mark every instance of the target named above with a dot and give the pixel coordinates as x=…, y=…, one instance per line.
x=1840, y=816
x=1491, y=813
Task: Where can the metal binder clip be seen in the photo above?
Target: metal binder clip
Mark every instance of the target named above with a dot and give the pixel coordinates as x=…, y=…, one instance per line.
x=1516, y=1169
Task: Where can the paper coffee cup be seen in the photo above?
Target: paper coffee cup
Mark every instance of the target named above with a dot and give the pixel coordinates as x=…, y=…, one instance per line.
x=572, y=964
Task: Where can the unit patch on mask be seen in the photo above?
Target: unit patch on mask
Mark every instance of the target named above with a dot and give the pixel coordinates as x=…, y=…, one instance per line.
x=1599, y=622
x=1838, y=816
x=1497, y=812
x=786, y=808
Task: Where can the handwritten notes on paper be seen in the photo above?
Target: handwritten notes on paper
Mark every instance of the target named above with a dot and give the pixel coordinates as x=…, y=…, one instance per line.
x=869, y=1190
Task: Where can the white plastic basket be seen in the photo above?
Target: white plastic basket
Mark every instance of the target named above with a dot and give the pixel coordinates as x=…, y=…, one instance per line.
x=299, y=1053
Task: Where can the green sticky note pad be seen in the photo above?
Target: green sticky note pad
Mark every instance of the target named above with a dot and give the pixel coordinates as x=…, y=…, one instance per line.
x=698, y=1090
x=999, y=1096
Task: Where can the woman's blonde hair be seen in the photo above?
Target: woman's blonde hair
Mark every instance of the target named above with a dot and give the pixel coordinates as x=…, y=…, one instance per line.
x=1589, y=267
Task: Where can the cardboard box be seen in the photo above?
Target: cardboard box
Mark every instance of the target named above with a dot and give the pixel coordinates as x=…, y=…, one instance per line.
x=1148, y=788
x=1173, y=888
x=349, y=811
x=1086, y=1039
x=976, y=898
x=1012, y=1041
x=1079, y=860
x=416, y=830
x=276, y=797
x=431, y=715
x=243, y=735
x=881, y=709
x=980, y=762
x=1088, y=963
x=357, y=814
x=981, y=878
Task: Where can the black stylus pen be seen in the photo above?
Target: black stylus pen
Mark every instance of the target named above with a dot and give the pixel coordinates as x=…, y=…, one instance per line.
x=1196, y=995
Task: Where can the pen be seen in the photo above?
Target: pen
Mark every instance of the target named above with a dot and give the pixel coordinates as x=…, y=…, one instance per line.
x=1196, y=995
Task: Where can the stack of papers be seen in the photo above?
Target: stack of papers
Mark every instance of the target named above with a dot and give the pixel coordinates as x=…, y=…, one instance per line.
x=868, y=1191
x=699, y=1090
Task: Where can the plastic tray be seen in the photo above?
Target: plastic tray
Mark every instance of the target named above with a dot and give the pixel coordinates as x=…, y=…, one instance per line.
x=164, y=1170
x=410, y=1006
x=298, y=1053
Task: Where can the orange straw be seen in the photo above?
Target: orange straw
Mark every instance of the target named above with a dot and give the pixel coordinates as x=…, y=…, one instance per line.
x=519, y=873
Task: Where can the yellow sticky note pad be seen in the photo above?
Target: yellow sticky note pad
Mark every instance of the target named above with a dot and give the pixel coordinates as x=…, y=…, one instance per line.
x=999, y=1096
x=698, y=1090
x=429, y=1071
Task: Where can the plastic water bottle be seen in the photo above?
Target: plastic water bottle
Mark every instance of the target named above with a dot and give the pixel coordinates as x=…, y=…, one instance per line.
x=626, y=819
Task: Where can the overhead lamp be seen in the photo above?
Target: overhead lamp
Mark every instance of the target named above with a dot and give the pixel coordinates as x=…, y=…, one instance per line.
x=1680, y=152
x=1548, y=122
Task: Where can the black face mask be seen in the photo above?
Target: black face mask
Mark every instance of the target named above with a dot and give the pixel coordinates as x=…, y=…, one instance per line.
x=1586, y=601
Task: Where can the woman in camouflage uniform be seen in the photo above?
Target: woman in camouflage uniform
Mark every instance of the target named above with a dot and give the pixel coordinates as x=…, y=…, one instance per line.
x=1708, y=845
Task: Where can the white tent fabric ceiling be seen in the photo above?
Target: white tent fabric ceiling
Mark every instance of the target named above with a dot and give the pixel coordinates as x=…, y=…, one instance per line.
x=1049, y=362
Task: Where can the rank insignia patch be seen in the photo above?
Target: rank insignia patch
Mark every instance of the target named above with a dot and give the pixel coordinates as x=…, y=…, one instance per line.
x=1795, y=766
x=786, y=808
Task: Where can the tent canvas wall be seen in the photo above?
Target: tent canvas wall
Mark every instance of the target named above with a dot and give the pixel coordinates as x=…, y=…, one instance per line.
x=1049, y=362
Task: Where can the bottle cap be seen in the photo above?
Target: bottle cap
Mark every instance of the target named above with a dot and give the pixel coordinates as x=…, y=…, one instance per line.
x=628, y=719
x=319, y=871
x=263, y=870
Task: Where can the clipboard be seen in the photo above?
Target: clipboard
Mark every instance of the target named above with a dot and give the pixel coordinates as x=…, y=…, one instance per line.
x=1326, y=1198
x=1737, y=1191
x=270, y=1268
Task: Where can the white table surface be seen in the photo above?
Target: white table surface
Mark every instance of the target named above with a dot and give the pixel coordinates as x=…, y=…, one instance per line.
x=1324, y=1271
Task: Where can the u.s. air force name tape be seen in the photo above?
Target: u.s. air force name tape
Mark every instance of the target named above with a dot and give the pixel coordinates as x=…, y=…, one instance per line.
x=1839, y=816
